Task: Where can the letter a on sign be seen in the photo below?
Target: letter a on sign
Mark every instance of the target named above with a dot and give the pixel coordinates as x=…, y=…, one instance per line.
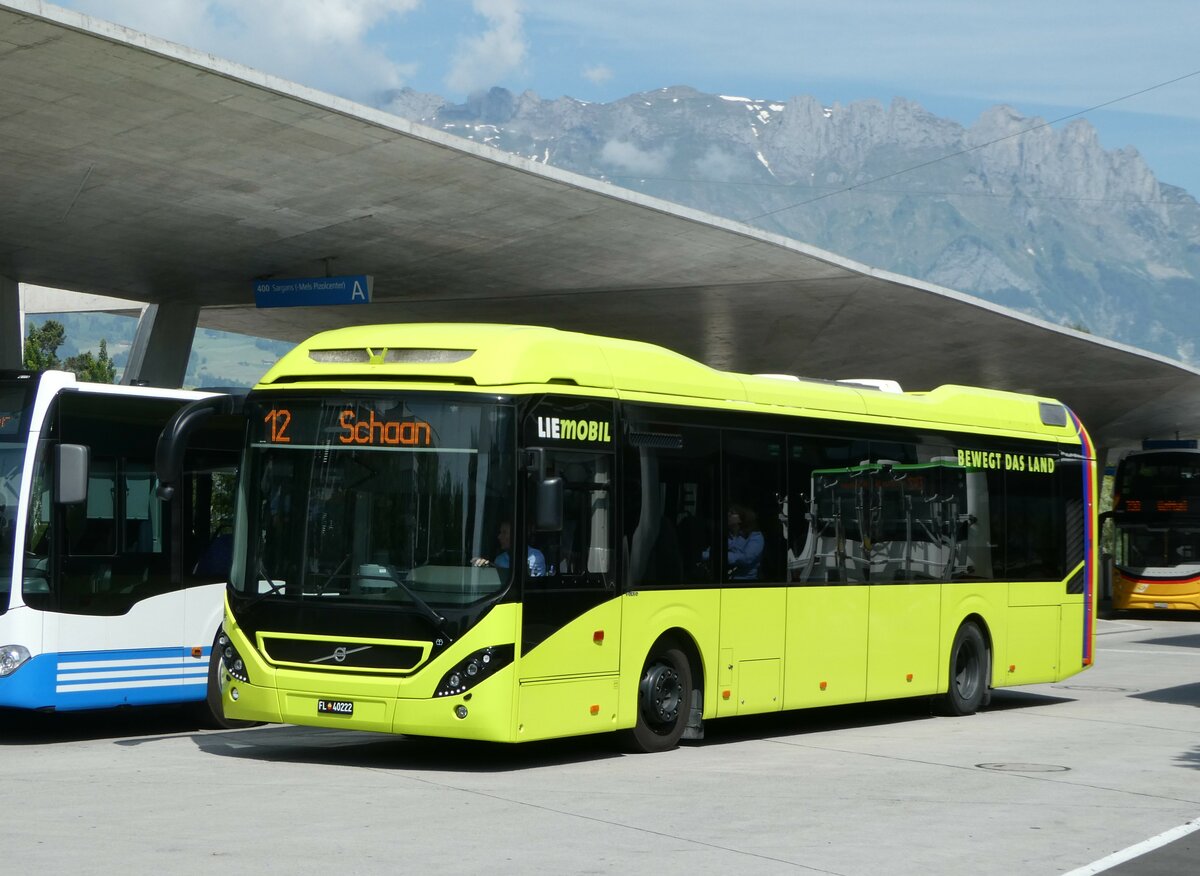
x=358, y=292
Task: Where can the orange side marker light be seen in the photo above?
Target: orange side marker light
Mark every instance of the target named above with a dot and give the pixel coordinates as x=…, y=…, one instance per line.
x=908, y=677
x=598, y=637
x=197, y=653
x=724, y=694
x=824, y=685
x=595, y=710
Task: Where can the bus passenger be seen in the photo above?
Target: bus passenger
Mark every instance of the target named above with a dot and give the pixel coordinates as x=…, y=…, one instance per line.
x=744, y=545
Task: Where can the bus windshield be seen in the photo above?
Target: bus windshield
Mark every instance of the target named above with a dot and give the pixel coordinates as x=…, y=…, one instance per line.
x=1165, y=550
x=1154, y=480
x=382, y=500
x=15, y=399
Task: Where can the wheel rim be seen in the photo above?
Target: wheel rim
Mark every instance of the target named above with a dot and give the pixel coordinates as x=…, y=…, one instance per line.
x=966, y=672
x=662, y=694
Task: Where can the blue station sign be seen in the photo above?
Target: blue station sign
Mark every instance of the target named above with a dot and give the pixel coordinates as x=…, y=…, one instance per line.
x=313, y=291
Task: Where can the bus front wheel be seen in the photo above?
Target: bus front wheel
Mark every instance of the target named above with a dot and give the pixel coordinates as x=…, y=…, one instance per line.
x=664, y=699
x=968, y=673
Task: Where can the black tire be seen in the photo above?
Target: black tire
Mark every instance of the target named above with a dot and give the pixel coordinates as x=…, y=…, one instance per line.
x=211, y=711
x=968, y=682
x=664, y=700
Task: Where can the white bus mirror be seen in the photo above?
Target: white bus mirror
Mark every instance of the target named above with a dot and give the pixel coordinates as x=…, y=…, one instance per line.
x=71, y=473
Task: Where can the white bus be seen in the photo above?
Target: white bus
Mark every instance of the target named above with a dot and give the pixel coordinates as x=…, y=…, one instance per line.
x=109, y=595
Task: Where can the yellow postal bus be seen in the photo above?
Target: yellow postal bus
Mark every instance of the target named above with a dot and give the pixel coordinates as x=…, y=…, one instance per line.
x=514, y=533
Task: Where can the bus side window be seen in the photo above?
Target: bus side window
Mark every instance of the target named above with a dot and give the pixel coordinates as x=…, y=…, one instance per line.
x=671, y=505
x=756, y=512
x=143, y=519
x=580, y=555
x=208, y=526
x=91, y=526
x=1035, y=550
x=827, y=495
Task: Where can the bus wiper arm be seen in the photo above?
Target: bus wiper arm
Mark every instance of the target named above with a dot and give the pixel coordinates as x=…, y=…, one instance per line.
x=425, y=607
x=329, y=579
x=272, y=587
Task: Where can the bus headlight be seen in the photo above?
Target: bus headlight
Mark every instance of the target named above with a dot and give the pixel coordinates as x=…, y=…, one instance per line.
x=473, y=669
x=11, y=658
x=231, y=659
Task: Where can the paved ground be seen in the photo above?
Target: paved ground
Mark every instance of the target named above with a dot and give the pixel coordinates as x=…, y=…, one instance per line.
x=1050, y=779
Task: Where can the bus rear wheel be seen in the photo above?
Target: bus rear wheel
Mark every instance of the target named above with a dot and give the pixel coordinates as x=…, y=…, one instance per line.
x=968, y=673
x=664, y=699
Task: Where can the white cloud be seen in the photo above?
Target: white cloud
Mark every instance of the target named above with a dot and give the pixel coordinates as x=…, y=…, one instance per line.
x=718, y=165
x=484, y=60
x=1022, y=51
x=322, y=43
x=624, y=155
x=597, y=74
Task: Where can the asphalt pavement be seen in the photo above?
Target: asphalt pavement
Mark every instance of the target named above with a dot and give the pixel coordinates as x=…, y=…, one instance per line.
x=1051, y=779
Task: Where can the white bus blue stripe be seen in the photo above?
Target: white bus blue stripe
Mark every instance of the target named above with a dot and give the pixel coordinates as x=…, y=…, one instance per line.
x=119, y=675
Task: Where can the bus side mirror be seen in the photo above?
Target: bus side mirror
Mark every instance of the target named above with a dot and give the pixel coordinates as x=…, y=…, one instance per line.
x=549, y=516
x=71, y=473
x=1102, y=516
x=173, y=440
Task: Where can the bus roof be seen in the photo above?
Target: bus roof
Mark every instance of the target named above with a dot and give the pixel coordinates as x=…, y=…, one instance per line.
x=520, y=358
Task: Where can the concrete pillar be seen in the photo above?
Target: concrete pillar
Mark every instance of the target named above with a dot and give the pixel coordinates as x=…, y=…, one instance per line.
x=12, y=324
x=162, y=344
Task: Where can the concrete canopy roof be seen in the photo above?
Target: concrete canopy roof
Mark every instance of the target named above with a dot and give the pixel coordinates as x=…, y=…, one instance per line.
x=141, y=169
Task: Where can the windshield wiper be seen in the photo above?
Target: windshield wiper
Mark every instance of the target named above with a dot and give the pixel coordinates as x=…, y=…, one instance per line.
x=272, y=587
x=329, y=579
x=425, y=607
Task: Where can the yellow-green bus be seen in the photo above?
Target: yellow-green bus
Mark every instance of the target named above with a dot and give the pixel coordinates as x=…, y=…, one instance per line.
x=689, y=544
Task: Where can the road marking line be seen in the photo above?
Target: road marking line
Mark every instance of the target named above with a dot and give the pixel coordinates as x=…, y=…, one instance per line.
x=1137, y=850
x=1147, y=651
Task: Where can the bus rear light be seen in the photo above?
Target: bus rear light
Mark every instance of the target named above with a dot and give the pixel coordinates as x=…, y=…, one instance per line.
x=11, y=658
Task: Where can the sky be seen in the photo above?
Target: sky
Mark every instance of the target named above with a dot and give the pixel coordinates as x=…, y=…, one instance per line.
x=1045, y=58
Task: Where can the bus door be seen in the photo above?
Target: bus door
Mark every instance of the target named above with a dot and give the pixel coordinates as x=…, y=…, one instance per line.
x=571, y=619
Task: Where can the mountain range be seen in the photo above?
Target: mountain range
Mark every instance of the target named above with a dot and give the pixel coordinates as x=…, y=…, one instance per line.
x=1039, y=218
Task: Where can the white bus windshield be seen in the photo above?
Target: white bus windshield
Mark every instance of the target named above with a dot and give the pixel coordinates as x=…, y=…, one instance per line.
x=384, y=500
x=15, y=400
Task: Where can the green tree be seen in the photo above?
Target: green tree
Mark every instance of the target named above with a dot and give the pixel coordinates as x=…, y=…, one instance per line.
x=41, y=347
x=41, y=354
x=96, y=369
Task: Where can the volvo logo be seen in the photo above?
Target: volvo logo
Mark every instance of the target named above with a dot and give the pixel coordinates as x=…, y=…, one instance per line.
x=340, y=653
